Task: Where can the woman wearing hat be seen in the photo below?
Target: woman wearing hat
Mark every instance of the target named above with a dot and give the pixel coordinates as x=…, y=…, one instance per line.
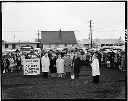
x=77, y=64
x=11, y=64
x=45, y=64
x=67, y=65
x=95, y=68
x=53, y=65
x=60, y=66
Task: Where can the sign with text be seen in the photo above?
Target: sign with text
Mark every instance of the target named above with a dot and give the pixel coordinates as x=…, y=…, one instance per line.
x=31, y=66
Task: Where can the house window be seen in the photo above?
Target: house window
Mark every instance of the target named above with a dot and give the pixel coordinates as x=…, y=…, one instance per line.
x=111, y=45
x=6, y=45
x=13, y=46
x=85, y=45
x=102, y=45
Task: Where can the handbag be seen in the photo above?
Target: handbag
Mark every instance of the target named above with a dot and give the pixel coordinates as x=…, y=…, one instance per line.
x=72, y=76
x=4, y=71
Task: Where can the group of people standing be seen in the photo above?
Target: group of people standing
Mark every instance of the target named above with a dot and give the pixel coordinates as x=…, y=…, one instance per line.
x=67, y=65
x=63, y=66
x=10, y=62
x=114, y=60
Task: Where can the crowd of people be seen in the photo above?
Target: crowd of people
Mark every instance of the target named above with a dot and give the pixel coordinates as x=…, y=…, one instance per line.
x=64, y=63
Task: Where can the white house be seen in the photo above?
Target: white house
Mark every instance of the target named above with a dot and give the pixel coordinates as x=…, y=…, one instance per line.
x=17, y=45
x=58, y=39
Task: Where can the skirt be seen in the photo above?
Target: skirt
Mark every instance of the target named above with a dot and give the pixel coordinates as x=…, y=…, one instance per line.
x=53, y=70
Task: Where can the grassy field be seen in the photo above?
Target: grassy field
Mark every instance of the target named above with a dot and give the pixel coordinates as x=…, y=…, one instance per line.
x=16, y=86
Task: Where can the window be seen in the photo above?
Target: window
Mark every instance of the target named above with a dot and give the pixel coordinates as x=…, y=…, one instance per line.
x=6, y=45
x=111, y=45
x=13, y=46
x=85, y=45
x=102, y=45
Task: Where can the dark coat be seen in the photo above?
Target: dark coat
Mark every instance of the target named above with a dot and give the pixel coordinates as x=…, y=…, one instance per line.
x=2, y=64
x=18, y=62
x=8, y=63
x=77, y=64
x=53, y=68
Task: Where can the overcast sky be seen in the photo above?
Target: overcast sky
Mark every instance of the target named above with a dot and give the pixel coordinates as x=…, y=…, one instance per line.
x=25, y=19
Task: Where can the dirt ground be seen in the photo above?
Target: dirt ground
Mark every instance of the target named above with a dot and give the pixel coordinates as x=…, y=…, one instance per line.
x=111, y=86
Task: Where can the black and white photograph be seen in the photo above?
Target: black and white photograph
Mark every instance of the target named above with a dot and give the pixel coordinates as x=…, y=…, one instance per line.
x=64, y=50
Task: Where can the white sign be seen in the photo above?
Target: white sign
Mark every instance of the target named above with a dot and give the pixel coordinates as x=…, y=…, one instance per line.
x=31, y=66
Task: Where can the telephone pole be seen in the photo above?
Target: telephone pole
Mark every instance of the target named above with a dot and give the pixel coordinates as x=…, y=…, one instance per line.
x=91, y=31
x=14, y=38
x=38, y=35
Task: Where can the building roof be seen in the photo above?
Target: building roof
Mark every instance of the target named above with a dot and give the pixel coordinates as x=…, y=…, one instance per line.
x=102, y=41
x=58, y=37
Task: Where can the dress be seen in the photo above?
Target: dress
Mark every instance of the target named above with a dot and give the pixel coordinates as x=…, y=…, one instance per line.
x=60, y=65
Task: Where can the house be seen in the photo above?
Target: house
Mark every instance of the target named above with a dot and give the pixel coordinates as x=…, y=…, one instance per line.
x=58, y=39
x=17, y=45
x=102, y=42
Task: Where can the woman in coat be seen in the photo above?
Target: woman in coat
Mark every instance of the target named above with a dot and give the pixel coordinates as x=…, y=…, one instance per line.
x=77, y=64
x=53, y=69
x=123, y=63
x=67, y=65
x=60, y=65
x=7, y=62
x=71, y=56
x=45, y=64
x=2, y=65
x=11, y=64
x=95, y=68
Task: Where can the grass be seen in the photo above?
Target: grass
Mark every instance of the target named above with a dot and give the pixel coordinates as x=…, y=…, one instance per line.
x=15, y=86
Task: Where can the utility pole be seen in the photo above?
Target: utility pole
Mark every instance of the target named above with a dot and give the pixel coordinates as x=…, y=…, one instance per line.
x=14, y=38
x=38, y=35
x=90, y=25
x=91, y=31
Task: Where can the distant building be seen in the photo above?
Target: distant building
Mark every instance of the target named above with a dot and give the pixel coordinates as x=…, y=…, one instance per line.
x=58, y=39
x=17, y=45
x=102, y=42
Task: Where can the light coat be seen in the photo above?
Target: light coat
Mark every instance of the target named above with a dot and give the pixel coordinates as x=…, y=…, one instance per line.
x=11, y=62
x=60, y=65
x=67, y=64
x=95, y=67
x=45, y=64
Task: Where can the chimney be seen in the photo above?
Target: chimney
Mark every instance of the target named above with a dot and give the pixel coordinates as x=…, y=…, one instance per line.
x=60, y=33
